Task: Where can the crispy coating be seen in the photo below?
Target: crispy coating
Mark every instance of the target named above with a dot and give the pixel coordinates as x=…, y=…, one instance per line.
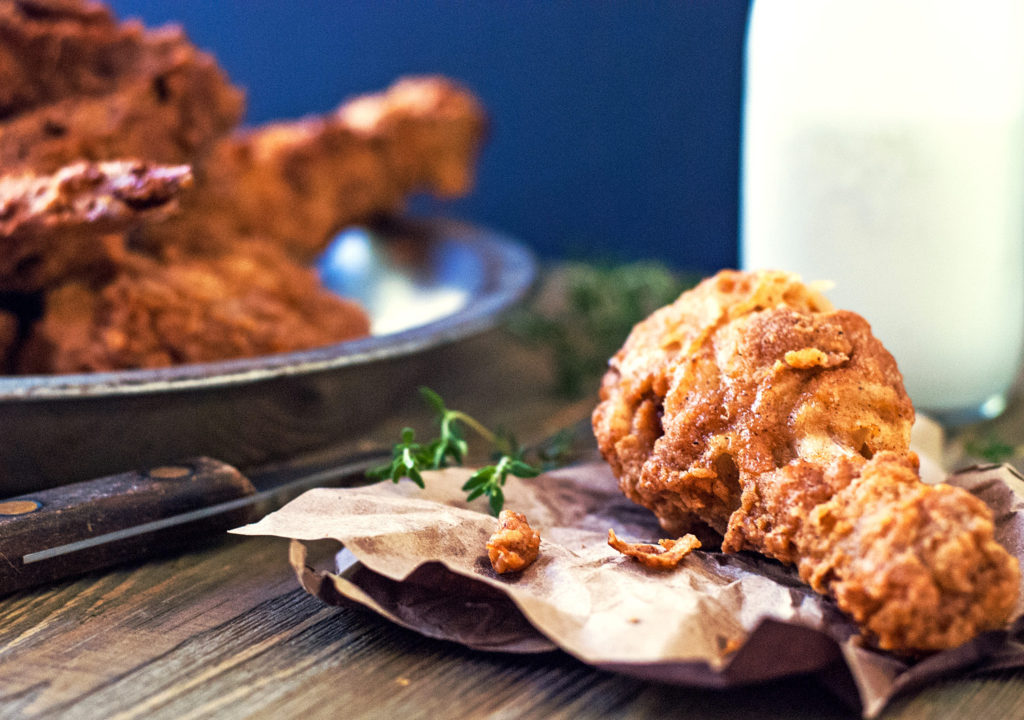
x=89, y=240
x=56, y=48
x=916, y=565
x=430, y=130
x=251, y=300
x=298, y=183
x=666, y=555
x=72, y=222
x=751, y=406
x=75, y=84
x=515, y=545
x=701, y=392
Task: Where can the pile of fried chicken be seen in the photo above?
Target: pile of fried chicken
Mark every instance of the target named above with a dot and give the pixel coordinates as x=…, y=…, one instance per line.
x=752, y=414
x=141, y=226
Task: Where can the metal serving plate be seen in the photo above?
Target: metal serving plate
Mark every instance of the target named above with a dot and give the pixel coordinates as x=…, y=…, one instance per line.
x=426, y=285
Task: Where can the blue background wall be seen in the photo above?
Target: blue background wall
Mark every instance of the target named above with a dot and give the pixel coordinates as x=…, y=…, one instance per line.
x=615, y=125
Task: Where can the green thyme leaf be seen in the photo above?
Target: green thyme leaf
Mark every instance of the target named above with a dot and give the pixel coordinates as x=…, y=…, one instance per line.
x=434, y=400
x=476, y=480
x=523, y=470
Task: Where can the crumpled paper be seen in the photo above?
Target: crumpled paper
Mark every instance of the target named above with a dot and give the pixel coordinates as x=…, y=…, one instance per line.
x=418, y=557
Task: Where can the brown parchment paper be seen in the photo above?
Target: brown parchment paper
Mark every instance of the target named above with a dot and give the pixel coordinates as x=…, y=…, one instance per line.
x=418, y=557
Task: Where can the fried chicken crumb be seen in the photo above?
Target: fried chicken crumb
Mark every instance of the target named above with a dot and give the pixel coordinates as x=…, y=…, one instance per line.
x=810, y=357
x=515, y=545
x=729, y=645
x=666, y=555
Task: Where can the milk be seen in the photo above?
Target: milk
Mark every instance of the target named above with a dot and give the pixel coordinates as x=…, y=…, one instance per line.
x=883, y=151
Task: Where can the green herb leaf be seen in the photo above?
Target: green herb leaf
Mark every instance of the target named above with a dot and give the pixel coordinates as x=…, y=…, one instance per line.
x=497, y=500
x=521, y=469
x=476, y=480
x=434, y=400
x=990, y=448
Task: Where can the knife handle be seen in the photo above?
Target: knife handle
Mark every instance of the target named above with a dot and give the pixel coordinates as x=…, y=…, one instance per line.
x=39, y=531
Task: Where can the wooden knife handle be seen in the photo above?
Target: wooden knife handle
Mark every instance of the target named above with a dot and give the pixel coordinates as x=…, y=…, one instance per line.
x=37, y=530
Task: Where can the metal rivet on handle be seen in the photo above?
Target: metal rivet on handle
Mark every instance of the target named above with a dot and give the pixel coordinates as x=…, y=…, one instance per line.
x=19, y=507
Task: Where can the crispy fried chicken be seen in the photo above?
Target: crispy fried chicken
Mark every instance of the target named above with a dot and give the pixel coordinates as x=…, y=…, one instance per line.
x=515, y=545
x=247, y=301
x=102, y=126
x=750, y=406
x=298, y=183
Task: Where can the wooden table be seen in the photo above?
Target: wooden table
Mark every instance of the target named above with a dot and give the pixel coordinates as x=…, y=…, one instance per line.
x=225, y=631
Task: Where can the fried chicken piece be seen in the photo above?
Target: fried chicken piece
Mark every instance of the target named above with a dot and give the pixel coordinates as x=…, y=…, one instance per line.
x=76, y=84
x=430, y=130
x=220, y=280
x=298, y=183
x=53, y=226
x=751, y=406
x=916, y=565
x=252, y=300
x=701, y=388
x=55, y=48
x=515, y=545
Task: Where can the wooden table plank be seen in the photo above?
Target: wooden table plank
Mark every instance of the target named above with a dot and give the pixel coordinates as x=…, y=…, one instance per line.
x=283, y=654
x=173, y=639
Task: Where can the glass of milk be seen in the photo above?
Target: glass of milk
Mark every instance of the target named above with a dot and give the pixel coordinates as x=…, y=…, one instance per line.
x=883, y=151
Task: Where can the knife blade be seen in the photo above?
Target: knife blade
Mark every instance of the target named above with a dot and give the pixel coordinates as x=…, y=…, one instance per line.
x=72, y=529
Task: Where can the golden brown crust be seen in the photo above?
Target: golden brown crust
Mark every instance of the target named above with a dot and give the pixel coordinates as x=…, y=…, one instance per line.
x=252, y=300
x=515, y=545
x=53, y=226
x=666, y=555
x=430, y=130
x=750, y=405
x=78, y=88
x=109, y=195
x=916, y=565
x=699, y=393
x=77, y=85
x=298, y=183
x=40, y=36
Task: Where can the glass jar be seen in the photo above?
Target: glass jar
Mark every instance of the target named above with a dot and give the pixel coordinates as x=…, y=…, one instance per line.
x=883, y=152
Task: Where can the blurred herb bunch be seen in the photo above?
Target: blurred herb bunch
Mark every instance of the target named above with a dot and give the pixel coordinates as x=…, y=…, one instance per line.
x=583, y=312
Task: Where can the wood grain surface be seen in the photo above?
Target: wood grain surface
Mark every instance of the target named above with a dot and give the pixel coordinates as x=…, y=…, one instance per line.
x=223, y=630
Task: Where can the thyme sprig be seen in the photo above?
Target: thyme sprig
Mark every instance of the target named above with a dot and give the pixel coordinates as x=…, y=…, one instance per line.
x=410, y=458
